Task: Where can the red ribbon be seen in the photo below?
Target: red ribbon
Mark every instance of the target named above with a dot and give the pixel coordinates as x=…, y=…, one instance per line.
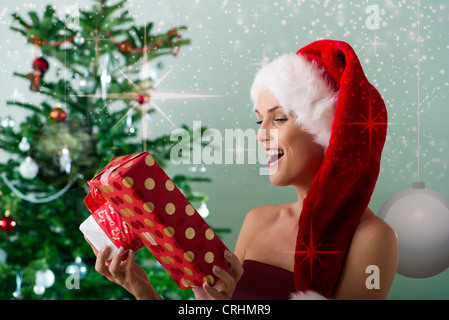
x=111, y=222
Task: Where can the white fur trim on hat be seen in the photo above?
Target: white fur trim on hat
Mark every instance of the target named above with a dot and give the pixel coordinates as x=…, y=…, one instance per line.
x=307, y=295
x=303, y=88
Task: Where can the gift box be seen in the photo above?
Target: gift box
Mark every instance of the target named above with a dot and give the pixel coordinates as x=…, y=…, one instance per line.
x=106, y=227
x=136, y=190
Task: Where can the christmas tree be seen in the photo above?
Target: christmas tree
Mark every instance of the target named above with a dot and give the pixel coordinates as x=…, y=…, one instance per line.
x=85, y=117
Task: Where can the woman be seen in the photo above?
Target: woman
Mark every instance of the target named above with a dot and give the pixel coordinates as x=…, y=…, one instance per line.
x=326, y=244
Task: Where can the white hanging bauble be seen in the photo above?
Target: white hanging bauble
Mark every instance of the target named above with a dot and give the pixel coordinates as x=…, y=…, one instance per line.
x=420, y=217
x=203, y=210
x=65, y=162
x=28, y=168
x=8, y=123
x=78, y=267
x=82, y=267
x=45, y=278
x=105, y=78
x=24, y=145
x=130, y=129
x=39, y=290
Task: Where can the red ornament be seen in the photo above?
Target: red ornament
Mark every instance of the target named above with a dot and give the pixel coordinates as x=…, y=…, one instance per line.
x=7, y=224
x=40, y=66
x=143, y=99
x=58, y=114
x=124, y=46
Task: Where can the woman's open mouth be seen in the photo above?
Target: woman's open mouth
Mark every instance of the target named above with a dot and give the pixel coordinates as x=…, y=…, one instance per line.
x=274, y=156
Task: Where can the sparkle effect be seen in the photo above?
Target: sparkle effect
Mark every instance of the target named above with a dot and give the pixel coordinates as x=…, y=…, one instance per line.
x=375, y=43
x=154, y=96
x=311, y=251
x=147, y=90
x=370, y=124
x=263, y=62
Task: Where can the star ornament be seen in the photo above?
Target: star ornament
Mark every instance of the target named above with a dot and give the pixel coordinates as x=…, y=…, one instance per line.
x=145, y=93
x=311, y=252
x=147, y=96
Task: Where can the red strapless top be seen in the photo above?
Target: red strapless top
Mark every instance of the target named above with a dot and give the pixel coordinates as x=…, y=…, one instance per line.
x=261, y=281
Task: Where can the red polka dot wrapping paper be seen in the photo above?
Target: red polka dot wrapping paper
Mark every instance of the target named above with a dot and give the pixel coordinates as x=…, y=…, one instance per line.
x=159, y=214
x=111, y=222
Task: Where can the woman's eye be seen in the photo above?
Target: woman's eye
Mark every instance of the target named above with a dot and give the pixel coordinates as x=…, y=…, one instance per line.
x=281, y=120
x=276, y=120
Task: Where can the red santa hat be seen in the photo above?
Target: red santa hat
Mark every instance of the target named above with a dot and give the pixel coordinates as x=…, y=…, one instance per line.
x=325, y=87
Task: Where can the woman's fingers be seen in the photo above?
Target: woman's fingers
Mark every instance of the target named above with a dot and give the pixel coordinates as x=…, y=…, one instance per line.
x=236, y=269
x=227, y=279
x=114, y=266
x=129, y=266
x=212, y=292
x=101, y=263
x=119, y=271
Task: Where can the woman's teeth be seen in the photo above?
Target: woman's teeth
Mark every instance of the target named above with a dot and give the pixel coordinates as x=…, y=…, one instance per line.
x=274, y=152
x=274, y=155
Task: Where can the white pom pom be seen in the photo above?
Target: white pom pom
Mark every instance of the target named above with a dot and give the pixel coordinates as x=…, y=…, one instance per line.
x=307, y=295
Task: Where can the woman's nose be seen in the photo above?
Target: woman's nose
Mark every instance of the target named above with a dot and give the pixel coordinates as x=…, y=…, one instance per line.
x=265, y=135
x=262, y=135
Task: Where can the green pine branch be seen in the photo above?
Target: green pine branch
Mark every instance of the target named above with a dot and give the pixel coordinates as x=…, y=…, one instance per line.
x=47, y=235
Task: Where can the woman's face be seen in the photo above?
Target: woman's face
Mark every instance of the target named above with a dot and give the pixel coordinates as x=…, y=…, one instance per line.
x=294, y=156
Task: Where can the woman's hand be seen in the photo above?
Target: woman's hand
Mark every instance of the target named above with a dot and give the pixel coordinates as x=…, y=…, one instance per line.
x=224, y=288
x=125, y=272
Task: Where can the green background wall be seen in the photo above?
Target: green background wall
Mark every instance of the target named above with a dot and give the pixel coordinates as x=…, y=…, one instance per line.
x=230, y=38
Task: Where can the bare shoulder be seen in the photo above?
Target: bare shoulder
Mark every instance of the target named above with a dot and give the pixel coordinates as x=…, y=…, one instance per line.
x=374, y=244
x=373, y=231
x=257, y=219
x=260, y=218
x=262, y=215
